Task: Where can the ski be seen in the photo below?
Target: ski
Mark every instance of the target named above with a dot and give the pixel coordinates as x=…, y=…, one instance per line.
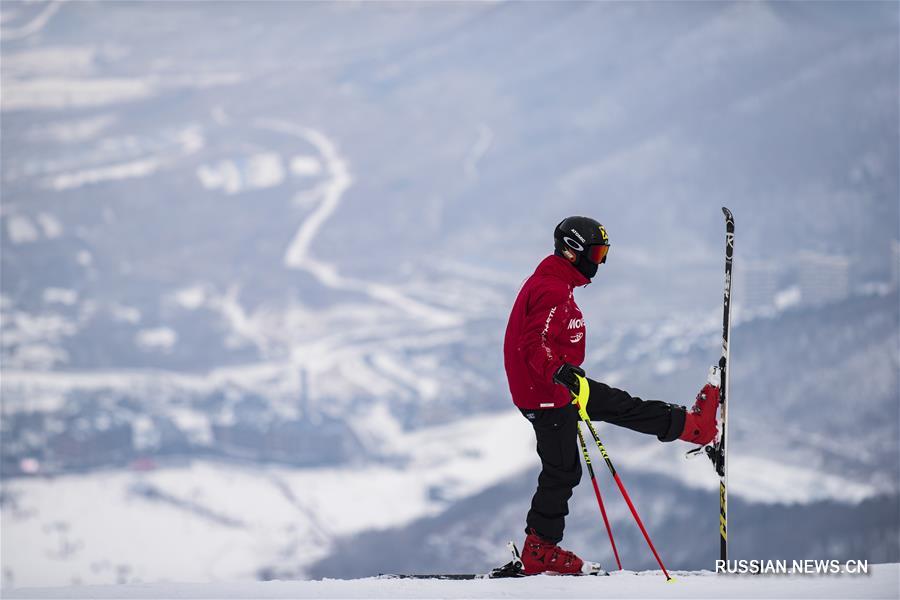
x=492, y=575
x=448, y=576
x=513, y=568
x=717, y=452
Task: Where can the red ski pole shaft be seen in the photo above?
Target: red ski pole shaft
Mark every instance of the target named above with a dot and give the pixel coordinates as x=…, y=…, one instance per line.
x=640, y=524
x=587, y=460
x=625, y=495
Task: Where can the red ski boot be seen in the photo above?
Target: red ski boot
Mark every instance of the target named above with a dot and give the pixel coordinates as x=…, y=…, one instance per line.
x=700, y=422
x=541, y=556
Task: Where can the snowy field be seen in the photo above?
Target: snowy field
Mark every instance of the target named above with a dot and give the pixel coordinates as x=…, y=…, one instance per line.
x=883, y=581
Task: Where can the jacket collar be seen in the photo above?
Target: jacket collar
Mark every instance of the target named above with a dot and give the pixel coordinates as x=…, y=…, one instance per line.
x=557, y=266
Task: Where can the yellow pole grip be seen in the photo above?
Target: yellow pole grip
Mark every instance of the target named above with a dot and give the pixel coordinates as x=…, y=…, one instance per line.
x=581, y=398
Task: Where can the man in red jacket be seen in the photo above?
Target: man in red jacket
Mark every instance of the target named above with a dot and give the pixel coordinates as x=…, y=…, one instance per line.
x=543, y=349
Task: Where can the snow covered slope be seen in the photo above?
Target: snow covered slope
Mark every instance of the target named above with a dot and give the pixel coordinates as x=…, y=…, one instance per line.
x=883, y=581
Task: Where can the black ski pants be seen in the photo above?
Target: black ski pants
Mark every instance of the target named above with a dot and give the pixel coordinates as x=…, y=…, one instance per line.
x=557, y=445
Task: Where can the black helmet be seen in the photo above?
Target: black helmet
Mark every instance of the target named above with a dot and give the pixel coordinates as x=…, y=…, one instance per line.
x=583, y=242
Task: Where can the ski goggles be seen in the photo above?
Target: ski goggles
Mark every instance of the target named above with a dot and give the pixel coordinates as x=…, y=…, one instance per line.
x=597, y=253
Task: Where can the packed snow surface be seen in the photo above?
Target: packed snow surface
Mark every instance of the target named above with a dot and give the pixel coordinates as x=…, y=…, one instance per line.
x=882, y=581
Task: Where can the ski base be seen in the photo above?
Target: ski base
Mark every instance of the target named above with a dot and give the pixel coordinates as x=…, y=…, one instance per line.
x=510, y=569
x=499, y=573
x=449, y=576
x=513, y=568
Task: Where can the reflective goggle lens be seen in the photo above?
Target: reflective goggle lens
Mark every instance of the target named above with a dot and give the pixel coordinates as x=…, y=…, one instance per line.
x=597, y=254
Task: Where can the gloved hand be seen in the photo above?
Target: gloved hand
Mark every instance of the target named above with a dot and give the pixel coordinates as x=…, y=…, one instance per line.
x=565, y=375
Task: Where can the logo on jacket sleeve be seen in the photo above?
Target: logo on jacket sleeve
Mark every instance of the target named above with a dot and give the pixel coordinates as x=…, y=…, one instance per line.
x=576, y=338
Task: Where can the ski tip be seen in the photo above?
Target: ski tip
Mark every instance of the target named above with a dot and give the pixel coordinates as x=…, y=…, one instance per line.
x=727, y=213
x=671, y=580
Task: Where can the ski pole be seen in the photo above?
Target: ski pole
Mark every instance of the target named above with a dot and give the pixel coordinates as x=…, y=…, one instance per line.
x=581, y=401
x=587, y=460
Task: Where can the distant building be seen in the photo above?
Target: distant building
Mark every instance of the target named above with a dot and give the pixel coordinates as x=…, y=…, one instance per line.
x=823, y=278
x=758, y=284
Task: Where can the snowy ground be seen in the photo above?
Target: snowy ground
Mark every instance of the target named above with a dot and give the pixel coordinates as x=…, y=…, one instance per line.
x=883, y=581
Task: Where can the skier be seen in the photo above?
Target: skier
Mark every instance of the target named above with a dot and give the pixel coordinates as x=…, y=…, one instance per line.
x=543, y=348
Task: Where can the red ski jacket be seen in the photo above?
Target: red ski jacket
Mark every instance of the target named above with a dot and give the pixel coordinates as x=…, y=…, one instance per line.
x=545, y=330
